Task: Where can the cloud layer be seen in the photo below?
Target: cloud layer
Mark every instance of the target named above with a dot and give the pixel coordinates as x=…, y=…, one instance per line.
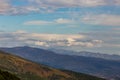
x=75, y=3
x=56, y=21
x=21, y=38
x=10, y=6
x=102, y=19
x=92, y=41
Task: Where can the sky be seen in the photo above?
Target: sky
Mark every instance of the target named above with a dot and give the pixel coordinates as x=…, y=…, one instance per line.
x=78, y=25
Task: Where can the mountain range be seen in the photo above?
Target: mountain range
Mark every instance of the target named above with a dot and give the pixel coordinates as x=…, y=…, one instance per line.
x=27, y=70
x=114, y=57
x=100, y=67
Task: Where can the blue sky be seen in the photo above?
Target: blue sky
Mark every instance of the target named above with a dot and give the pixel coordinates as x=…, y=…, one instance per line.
x=80, y=25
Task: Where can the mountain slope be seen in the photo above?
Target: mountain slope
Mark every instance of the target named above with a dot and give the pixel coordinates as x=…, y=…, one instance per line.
x=94, y=66
x=4, y=75
x=27, y=70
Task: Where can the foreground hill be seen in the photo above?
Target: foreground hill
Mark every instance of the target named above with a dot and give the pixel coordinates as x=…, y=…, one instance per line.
x=94, y=66
x=4, y=75
x=27, y=70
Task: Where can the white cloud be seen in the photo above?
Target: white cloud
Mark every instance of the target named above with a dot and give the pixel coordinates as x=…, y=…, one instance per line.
x=20, y=32
x=10, y=7
x=92, y=43
x=37, y=22
x=56, y=21
x=116, y=29
x=74, y=3
x=4, y=6
x=64, y=21
x=53, y=4
x=45, y=40
x=40, y=43
x=117, y=2
x=103, y=19
x=56, y=37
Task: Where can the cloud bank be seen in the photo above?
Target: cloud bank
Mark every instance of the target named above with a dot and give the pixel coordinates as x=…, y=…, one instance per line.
x=36, y=6
x=21, y=38
x=102, y=19
x=56, y=21
x=91, y=41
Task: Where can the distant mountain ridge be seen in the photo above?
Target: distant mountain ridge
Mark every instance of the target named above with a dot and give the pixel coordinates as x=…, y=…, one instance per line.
x=88, y=54
x=89, y=65
x=27, y=70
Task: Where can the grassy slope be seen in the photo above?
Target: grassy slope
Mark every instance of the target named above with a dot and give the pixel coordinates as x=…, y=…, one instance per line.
x=28, y=70
x=4, y=75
